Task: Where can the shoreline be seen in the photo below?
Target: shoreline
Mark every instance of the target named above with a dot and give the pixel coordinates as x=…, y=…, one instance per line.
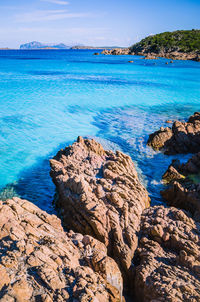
x=109, y=226
x=153, y=56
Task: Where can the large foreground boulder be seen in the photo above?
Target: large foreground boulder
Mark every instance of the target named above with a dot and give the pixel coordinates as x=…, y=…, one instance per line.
x=183, y=190
x=183, y=137
x=168, y=258
x=99, y=194
x=40, y=262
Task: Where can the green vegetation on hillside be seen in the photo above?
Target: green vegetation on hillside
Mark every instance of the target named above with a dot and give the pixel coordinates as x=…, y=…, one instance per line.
x=182, y=40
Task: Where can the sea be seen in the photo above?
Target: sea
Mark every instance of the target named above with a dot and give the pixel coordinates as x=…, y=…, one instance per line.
x=50, y=97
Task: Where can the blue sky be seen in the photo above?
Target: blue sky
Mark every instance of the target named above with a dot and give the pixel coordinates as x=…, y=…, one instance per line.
x=90, y=22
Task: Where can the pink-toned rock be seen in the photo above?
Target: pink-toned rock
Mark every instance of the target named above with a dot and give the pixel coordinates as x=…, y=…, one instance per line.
x=183, y=137
x=149, y=53
x=183, y=190
x=168, y=258
x=99, y=194
x=41, y=262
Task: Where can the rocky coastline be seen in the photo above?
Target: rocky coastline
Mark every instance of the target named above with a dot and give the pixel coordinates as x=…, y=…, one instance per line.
x=172, y=55
x=110, y=241
x=177, y=45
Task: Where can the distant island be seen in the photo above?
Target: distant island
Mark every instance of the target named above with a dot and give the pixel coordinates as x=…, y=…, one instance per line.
x=38, y=45
x=95, y=47
x=178, y=45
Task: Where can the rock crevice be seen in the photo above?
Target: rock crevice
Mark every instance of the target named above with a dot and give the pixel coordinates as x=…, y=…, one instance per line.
x=41, y=262
x=168, y=257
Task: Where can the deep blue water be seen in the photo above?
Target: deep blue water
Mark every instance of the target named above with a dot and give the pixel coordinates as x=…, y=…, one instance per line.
x=49, y=97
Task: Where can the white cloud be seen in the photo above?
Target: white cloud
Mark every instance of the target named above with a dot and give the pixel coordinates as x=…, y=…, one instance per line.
x=49, y=15
x=59, y=2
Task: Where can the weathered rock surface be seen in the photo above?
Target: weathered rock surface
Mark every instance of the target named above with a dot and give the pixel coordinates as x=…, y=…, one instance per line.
x=40, y=262
x=184, y=185
x=173, y=54
x=168, y=257
x=183, y=137
x=99, y=194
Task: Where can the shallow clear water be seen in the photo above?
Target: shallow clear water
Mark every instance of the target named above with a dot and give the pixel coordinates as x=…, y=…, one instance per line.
x=48, y=98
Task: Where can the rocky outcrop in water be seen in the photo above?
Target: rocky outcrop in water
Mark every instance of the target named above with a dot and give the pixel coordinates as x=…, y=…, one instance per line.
x=99, y=194
x=40, y=262
x=117, y=51
x=182, y=137
x=173, y=54
x=184, y=185
x=168, y=259
x=100, y=198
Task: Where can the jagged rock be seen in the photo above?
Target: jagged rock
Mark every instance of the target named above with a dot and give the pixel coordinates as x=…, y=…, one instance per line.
x=99, y=194
x=184, y=185
x=183, y=137
x=168, y=258
x=173, y=173
x=40, y=262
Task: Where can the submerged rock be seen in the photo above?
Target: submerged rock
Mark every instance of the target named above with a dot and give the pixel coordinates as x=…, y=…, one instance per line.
x=40, y=262
x=184, y=185
x=183, y=137
x=99, y=194
x=168, y=259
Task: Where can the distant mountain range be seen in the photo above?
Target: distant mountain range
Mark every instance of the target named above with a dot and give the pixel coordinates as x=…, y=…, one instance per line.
x=38, y=45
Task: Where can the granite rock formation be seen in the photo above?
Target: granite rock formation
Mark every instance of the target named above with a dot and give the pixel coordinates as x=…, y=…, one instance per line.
x=182, y=137
x=173, y=54
x=40, y=262
x=183, y=190
x=168, y=258
x=99, y=194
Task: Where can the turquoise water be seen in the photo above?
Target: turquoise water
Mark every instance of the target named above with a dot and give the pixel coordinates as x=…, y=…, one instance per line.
x=48, y=98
